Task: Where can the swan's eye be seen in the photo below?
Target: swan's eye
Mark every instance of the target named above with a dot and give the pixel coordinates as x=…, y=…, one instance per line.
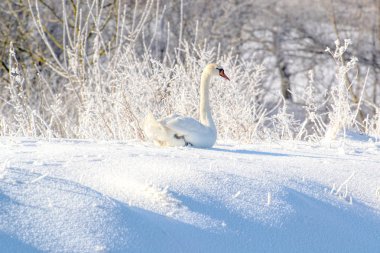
x=219, y=69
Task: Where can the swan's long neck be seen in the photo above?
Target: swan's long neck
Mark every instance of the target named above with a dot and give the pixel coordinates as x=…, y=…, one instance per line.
x=204, y=111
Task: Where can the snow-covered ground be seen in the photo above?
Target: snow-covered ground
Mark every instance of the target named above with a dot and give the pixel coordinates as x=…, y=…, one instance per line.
x=92, y=196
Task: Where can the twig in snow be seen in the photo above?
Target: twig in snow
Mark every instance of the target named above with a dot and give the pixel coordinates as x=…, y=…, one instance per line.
x=6, y=165
x=345, y=183
x=269, y=200
x=339, y=193
x=333, y=189
x=236, y=195
x=39, y=178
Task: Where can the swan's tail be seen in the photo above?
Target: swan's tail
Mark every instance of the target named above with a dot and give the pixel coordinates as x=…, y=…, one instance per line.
x=154, y=130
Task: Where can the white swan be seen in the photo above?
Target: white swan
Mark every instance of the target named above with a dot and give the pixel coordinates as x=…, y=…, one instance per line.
x=177, y=130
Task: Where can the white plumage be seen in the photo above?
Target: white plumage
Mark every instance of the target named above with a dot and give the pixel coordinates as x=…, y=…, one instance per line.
x=177, y=130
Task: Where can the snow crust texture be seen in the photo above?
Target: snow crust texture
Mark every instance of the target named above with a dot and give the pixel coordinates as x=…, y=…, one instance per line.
x=93, y=196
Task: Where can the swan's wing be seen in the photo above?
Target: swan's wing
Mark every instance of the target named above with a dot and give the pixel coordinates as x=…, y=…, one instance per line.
x=185, y=125
x=170, y=118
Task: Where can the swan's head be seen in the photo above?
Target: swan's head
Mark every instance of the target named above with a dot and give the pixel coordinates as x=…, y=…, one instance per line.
x=215, y=70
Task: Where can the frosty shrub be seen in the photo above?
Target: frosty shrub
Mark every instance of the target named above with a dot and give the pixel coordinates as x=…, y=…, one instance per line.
x=314, y=125
x=341, y=115
x=102, y=90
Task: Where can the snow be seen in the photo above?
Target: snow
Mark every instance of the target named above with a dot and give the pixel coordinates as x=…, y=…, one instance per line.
x=97, y=196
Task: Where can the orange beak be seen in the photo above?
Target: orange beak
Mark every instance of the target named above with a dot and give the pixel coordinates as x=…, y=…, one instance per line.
x=221, y=73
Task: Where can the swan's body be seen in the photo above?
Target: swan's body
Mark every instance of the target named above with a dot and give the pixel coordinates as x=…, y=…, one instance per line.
x=177, y=130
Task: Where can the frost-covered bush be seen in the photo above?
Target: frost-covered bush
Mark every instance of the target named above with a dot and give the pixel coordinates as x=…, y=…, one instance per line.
x=94, y=90
x=340, y=115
